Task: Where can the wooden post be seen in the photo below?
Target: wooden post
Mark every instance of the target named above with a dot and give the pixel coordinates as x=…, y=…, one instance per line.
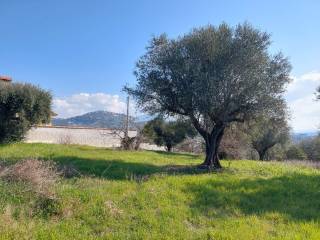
x=127, y=120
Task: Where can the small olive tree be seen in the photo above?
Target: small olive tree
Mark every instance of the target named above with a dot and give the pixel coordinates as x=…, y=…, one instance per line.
x=295, y=152
x=214, y=76
x=168, y=134
x=264, y=133
x=21, y=106
x=311, y=146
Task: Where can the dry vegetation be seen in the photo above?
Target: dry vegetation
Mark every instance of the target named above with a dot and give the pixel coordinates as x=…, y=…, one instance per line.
x=32, y=181
x=39, y=176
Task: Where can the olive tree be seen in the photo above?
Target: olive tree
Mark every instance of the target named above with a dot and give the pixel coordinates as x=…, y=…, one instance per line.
x=214, y=76
x=264, y=133
x=168, y=134
x=311, y=146
x=21, y=106
x=295, y=152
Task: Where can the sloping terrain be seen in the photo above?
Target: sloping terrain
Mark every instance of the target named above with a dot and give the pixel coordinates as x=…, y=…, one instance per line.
x=158, y=195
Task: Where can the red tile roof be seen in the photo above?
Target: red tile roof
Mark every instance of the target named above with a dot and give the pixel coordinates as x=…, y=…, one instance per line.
x=5, y=78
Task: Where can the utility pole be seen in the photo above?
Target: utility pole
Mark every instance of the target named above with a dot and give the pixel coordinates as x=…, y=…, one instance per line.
x=127, y=120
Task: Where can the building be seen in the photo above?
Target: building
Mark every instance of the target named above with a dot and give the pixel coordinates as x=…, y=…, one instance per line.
x=5, y=79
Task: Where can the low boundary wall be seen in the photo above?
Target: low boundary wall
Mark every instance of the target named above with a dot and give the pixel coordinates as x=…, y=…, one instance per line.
x=98, y=137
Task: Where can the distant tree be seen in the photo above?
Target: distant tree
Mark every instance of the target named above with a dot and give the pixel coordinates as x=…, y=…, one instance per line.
x=21, y=106
x=295, y=153
x=318, y=93
x=311, y=147
x=168, y=134
x=192, y=144
x=214, y=76
x=264, y=133
x=235, y=143
x=278, y=151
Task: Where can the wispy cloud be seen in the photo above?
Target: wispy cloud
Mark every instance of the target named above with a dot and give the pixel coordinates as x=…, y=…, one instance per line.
x=305, y=82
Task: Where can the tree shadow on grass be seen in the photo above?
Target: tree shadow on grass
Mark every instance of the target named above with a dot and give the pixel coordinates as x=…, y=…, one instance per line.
x=185, y=155
x=121, y=170
x=296, y=196
x=163, y=153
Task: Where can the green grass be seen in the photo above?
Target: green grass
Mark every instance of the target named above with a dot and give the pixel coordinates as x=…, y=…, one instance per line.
x=155, y=195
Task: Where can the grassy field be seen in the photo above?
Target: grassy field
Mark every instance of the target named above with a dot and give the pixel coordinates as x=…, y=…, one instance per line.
x=155, y=195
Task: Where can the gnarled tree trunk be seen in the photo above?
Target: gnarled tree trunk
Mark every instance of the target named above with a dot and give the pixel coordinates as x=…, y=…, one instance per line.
x=212, y=146
x=262, y=154
x=169, y=148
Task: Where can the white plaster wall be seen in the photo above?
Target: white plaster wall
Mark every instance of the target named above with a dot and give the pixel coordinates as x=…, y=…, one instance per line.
x=97, y=137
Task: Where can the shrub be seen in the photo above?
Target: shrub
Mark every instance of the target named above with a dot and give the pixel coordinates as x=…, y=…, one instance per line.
x=21, y=106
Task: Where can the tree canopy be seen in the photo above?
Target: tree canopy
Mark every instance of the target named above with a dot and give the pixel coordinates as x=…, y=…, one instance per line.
x=214, y=76
x=21, y=106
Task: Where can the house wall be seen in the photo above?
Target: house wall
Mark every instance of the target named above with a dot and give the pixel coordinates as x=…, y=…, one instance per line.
x=98, y=137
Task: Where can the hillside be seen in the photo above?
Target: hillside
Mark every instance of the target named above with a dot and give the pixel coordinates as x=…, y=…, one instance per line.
x=98, y=119
x=157, y=195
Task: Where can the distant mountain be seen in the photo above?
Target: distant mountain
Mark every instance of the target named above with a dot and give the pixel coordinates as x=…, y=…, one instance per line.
x=98, y=119
x=298, y=137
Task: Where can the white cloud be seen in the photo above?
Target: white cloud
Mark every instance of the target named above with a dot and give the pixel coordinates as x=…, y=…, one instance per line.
x=81, y=103
x=303, y=82
x=305, y=110
x=305, y=114
x=313, y=76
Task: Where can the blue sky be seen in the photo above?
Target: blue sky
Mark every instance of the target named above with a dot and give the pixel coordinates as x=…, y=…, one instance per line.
x=85, y=51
